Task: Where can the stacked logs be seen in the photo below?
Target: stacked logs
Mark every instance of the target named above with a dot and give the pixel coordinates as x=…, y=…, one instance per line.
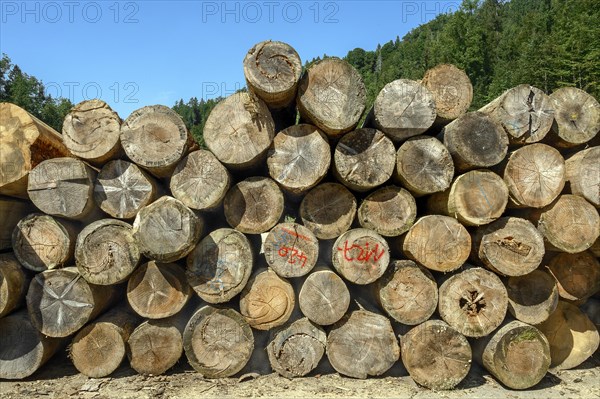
x=474, y=234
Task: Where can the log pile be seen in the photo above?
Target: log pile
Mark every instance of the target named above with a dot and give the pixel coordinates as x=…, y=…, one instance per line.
x=294, y=241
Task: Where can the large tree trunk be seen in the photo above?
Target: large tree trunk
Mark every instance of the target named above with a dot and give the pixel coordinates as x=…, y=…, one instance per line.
x=389, y=211
x=25, y=141
x=122, y=189
x=572, y=336
x=291, y=250
x=63, y=187
x=267, y=301
x=577, y=275
x=576, y=117
x=524, y=111
x=218, y=342
x=13, y=284
x=361, y=256
x=23, y=349
x=155, y=138
x=424, y=166
x=200, y=181
x=475, y=141
x=239, y=130
x=364, y=159
x=328, y=210
x=100, y=347
x=437, y=242
x=167, y=230
x=473, y=301
x=60, y=301
x=407, y=292
x=106, y=252
x=583, y=174
x=509, y=246
x=475, y=198
x=91, y=131
x=517, y=354
x=403, y=108
x=12, y=210
x=359, y=351
x=532, y=298
x=452, y=91
x=436, y=355
x=219, y=267
x=272, y=70
x=299, y=158
x=324, y=297
x=158, y=290
x=41, y=242
x=254, y=205
x=332, y=96
x=534, y=175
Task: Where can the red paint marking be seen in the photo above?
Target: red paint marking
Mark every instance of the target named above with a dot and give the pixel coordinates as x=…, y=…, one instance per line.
x=293, y=233
x=364, y=255
x=295, y=255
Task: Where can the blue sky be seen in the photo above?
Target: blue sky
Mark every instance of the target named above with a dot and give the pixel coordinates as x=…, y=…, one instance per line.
x=137, y=53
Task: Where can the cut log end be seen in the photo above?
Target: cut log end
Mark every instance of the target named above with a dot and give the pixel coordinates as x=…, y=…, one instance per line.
x=389, y=211
x=13, y=284
x=361, y=256
x=577, y=275
x=452, y=91
x=576, y=117
x=324, y=297
x=328, y=210
x=291, y=250
x=583, y=174
x=532, y=298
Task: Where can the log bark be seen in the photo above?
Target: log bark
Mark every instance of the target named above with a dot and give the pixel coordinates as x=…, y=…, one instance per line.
x=361, y=256
x=23, y=349
x=510, y=246
x=436, y=355
x=272, y=70
x=239, y=130
x=517, y=354
x=583, y=174
x=452, y=91
x=572, y=336
x=13, y=284
x=41, y=242
x=220, y=265
x=324, y=297
x=291, y=250
x=424, y=166
x=570, y=224
x=254, y=205
x=524, y=111
x=91, y=131
x=475, y=198
x=534, y=175
x=332, y=96
x=157, y=345
x=299, y=158
x=63, y=187
x=328, y=210
x=218, y=342
x=267, y=301
x=532, y=298
x=577, y=275
x=364, y=159
x=389, y=211
x=25, y=141
x=437, y=242
x=407, y=292
x=158, y=290
x=106, y=252
x=297, y=350
x=403, y=108
x=576, y=117
x=473, y=301
x=167, y=230
x=362, y=344
x=100, y=347
x=12, y=210
x=200, y=181
x=475, y=140
x=155, y=138
x=122, y=189
x=60, y=301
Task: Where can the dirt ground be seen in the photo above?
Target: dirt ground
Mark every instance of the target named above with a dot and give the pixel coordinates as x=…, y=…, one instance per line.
x=59, y=379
